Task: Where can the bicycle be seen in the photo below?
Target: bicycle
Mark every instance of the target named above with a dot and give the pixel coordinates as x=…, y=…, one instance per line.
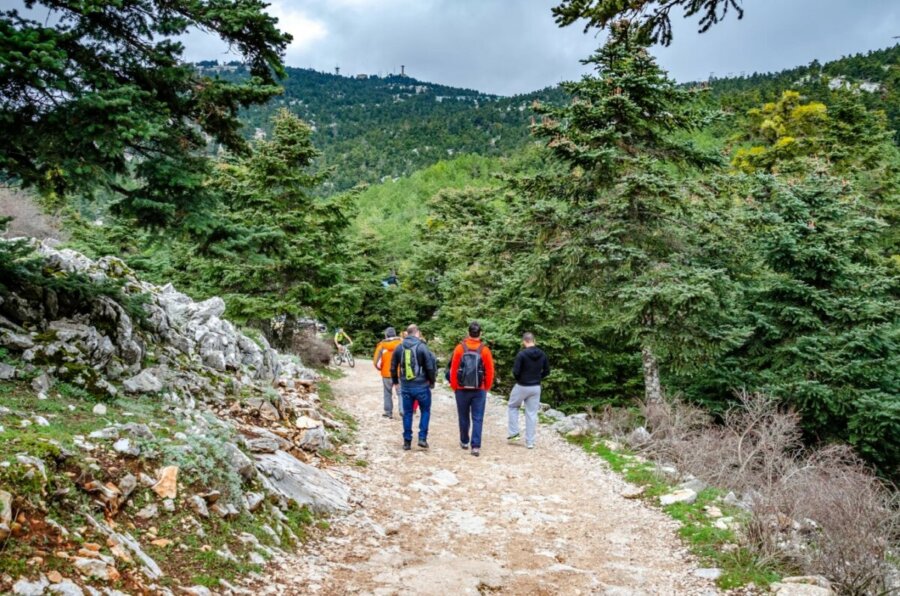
x=343, y=355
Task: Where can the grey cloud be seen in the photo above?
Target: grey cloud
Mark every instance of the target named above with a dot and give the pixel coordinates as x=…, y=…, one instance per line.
x=513, y=46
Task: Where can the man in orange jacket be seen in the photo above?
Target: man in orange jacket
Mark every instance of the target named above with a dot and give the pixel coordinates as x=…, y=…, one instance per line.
x=384, y=351
x=471, y=376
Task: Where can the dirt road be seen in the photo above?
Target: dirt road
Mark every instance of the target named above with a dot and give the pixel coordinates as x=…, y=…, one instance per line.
x=514, y=521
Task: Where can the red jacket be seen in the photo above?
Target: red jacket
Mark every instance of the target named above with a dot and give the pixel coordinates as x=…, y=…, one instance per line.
x=486, y=357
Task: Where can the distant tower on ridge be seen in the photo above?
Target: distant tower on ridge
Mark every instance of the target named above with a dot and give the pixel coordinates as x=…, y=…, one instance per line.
x=337, y=71
x=402, y=70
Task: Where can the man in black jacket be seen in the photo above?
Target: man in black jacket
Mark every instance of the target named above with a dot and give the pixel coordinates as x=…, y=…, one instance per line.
x=414, y=369
x=530, y=368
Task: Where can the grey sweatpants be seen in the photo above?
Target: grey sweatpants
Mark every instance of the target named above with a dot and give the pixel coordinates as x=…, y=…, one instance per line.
x=389, y=397
x=531, y=397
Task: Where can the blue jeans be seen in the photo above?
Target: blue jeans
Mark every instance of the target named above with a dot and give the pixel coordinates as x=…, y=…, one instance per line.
x=422, y=394
x=470, y=403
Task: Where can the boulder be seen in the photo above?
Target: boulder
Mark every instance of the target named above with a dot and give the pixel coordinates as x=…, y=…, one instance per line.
x=127, y=485
x=198, y=506
x=239, y=461
x=16, y=341
x=95, y=569
x=42, y=383
x=143, y=382
x=315, y=439
x=7, y=372
x=65, y=588
x=802, y=586
x=23, y=587
x=288, y=477
x=167, y=484
x=263, y=445
x=684, y=495
x=554, y=414
x=639, y=437
x=148, y=512
x=126, y=447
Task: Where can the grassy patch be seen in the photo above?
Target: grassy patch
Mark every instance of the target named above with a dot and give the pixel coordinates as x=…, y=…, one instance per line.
x=330, y=407
x=712, y=545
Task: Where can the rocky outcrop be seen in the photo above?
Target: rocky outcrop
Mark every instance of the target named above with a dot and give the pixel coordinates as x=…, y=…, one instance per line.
x=98, y=343
x=301, y=483
x=212, y=398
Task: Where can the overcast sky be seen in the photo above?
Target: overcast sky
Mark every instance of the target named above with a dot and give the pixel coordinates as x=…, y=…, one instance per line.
x=513, y=46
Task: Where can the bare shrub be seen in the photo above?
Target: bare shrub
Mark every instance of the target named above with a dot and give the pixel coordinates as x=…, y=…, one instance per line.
x=28, y=218
x=613, y=422
x=822, y=512
x=831, y=516
x=312, y=350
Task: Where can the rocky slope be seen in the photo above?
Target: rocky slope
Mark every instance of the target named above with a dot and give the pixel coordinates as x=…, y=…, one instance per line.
x=148, y=445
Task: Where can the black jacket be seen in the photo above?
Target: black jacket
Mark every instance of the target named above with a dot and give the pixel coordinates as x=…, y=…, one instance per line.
x=531, y=366
x=427, y=364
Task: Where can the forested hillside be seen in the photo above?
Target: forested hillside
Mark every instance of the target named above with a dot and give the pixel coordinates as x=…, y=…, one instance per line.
x=373, y=128
x=711, y=268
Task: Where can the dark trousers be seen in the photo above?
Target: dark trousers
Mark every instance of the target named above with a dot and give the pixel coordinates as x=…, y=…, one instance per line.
x=470, y=404
x=409, y=394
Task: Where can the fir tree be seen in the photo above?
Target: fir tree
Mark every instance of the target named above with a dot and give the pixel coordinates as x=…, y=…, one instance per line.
x=100, y=97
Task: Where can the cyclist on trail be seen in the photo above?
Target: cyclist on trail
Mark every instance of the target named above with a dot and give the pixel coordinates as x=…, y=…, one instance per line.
x=339, y=336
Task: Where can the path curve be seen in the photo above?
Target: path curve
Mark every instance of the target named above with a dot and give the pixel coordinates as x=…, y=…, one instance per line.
x=514, y=521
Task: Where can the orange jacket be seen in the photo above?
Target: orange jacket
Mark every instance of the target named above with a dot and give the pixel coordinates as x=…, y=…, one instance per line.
x=486, y=356
x=384, y=351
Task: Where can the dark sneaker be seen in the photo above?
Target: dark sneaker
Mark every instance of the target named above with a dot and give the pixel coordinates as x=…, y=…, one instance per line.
x=423, y=443
x=476, y=451
x=514, y=437
x=407, y=445
x=463, y=445
x=386, y=416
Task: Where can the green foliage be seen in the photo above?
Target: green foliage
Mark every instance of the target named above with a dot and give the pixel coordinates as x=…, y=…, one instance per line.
x=654, y=16
x=378, y=128
x=275, y=249
x=103, y=99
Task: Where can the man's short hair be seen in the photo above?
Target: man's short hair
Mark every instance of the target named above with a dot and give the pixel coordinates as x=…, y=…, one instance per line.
x=412, y=330
x=390, y=332
x=528, y=337
x=474, y=329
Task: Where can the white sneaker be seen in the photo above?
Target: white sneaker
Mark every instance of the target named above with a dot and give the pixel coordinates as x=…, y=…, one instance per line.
x=531, y=446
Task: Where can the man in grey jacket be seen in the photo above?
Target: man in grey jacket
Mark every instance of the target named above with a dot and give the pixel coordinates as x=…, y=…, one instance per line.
x=414, y=370
x=529, y=369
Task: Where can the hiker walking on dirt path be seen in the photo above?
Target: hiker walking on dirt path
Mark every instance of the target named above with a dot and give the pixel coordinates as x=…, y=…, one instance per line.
x=381, y=359
x=529, y=369
x=414, y=370
x=471, y=376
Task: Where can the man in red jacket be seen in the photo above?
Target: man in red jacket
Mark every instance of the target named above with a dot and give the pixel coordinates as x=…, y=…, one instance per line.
x=471, y=376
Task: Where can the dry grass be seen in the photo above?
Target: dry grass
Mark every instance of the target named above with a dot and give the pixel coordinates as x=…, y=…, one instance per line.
x=818, y=512
x=28, y=218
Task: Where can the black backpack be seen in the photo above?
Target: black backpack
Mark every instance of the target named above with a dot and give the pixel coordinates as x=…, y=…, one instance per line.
x=470, y=374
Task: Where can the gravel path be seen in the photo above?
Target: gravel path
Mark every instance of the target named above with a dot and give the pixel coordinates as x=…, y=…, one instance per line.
x=514, y=521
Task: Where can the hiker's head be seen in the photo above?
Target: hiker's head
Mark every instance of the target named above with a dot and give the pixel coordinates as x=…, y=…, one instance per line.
x=528, y=339
x=413, y=331
x=390, y=332
x=474, y=330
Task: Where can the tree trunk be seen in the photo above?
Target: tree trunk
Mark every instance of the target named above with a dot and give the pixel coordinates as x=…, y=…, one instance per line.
x=652, y=386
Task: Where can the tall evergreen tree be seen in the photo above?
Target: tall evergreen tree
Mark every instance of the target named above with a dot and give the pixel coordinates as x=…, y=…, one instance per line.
x=275, y=248
x=622, y=239
x=96, y=94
